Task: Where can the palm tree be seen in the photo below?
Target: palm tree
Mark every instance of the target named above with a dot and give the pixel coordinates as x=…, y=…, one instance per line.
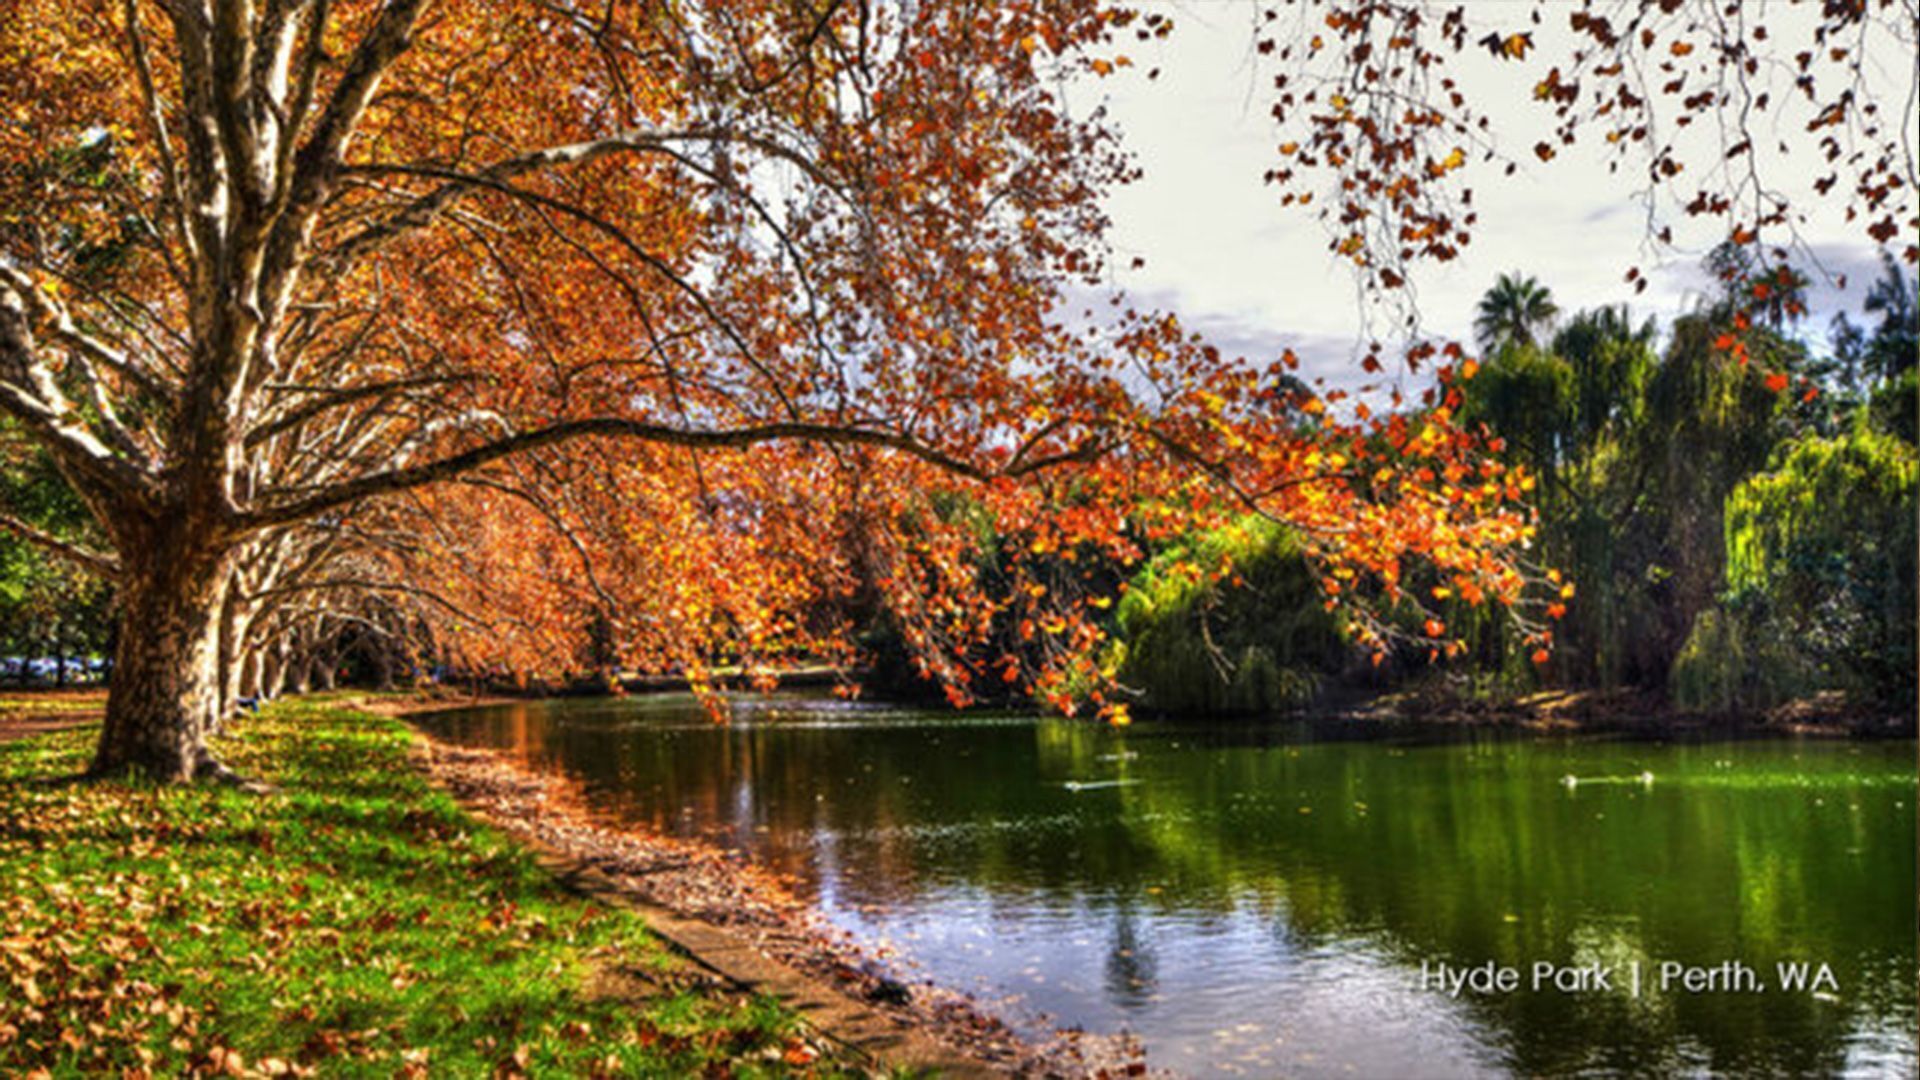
x=1514, y=312
x=1891, y=351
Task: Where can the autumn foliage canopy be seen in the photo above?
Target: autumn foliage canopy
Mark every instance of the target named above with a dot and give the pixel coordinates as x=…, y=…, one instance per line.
x=664, y=334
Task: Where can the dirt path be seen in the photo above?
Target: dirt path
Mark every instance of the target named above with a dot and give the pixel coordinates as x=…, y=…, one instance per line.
x=25, y=713
x=28, y=712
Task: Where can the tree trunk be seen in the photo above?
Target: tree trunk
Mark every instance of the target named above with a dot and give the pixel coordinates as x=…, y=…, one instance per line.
x=166, y=661
x=233, y=635
x=382, y=666
x=326, y=669
x=275, y=683
x=301, y=666
x=250, y=672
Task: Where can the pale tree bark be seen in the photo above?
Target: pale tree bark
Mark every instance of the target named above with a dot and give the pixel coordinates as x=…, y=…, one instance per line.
x=164, y=692
x=206, y=424
x=234, y=627
x=274, y=681
x=250, y=663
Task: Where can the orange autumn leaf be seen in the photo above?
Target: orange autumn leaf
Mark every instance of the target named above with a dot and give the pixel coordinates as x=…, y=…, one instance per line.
x=583, y=412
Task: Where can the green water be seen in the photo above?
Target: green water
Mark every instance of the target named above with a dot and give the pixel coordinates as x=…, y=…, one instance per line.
x=1262, y=903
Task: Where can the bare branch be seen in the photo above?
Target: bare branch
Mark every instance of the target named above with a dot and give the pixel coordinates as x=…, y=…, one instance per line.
x=312, y=504
x=318, y=161
x=156, y=116
x=96, y=561
x=370, y=585
x=331, y=398
x=425, y=209
x=39, y=304
x=29, y=394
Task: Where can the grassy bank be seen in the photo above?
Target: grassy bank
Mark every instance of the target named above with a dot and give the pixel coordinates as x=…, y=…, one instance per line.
x=355, y=922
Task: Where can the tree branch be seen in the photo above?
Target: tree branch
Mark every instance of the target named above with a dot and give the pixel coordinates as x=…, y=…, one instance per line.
x=96, y=561
x=36, y=302
x=29, y=394
x=329, y=399
x=316, y=165
x=156, y=116
x=422, y=211
x=307, y=505
x=370, y=585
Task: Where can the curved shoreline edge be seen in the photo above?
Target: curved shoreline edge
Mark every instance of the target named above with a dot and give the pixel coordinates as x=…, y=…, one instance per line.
x=887, y=1040
x=742, y=926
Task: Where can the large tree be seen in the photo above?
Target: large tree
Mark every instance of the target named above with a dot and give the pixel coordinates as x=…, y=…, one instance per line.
x=278, y=272
x=273, y=268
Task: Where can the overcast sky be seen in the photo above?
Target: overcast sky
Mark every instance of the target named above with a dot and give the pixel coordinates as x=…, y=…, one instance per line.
x=1257, y=277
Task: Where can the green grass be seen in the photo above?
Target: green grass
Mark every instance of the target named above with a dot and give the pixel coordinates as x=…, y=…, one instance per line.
x=355, y=922
x=35, y=704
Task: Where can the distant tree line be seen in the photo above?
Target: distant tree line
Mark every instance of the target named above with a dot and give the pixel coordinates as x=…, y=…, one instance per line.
x=1735, y=527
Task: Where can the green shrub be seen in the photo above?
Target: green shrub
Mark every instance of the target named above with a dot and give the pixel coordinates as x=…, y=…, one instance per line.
x=1734, y=661
x=1232, y=622
x=1820, y=550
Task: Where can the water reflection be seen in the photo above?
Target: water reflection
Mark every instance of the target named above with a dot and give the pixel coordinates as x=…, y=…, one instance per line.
x=1252, y=901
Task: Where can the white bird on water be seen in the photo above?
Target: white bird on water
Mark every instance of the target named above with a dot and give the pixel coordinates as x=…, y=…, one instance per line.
x=1570, y=780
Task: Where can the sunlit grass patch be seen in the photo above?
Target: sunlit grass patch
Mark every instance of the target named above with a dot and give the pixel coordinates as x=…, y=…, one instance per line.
x=356, y=921
x=33, y=703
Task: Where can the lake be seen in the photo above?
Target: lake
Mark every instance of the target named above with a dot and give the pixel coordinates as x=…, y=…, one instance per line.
x=1257, y=901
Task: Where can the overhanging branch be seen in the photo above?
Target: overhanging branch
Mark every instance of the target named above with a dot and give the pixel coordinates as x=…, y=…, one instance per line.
x=423, y=210
x=96, y=561
x=301, y=506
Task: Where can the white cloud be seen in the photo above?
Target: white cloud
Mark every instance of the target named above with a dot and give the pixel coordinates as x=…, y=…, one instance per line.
x=1222, y=252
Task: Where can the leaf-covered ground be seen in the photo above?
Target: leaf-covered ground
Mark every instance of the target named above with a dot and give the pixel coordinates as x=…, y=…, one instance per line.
x=355, y=922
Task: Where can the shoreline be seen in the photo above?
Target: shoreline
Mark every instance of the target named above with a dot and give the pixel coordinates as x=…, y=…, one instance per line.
x=1414, y=712
x=1629, y=713
x=741, y=921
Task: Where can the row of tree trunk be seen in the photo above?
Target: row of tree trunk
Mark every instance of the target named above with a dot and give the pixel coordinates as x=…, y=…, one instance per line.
x=201, y=638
